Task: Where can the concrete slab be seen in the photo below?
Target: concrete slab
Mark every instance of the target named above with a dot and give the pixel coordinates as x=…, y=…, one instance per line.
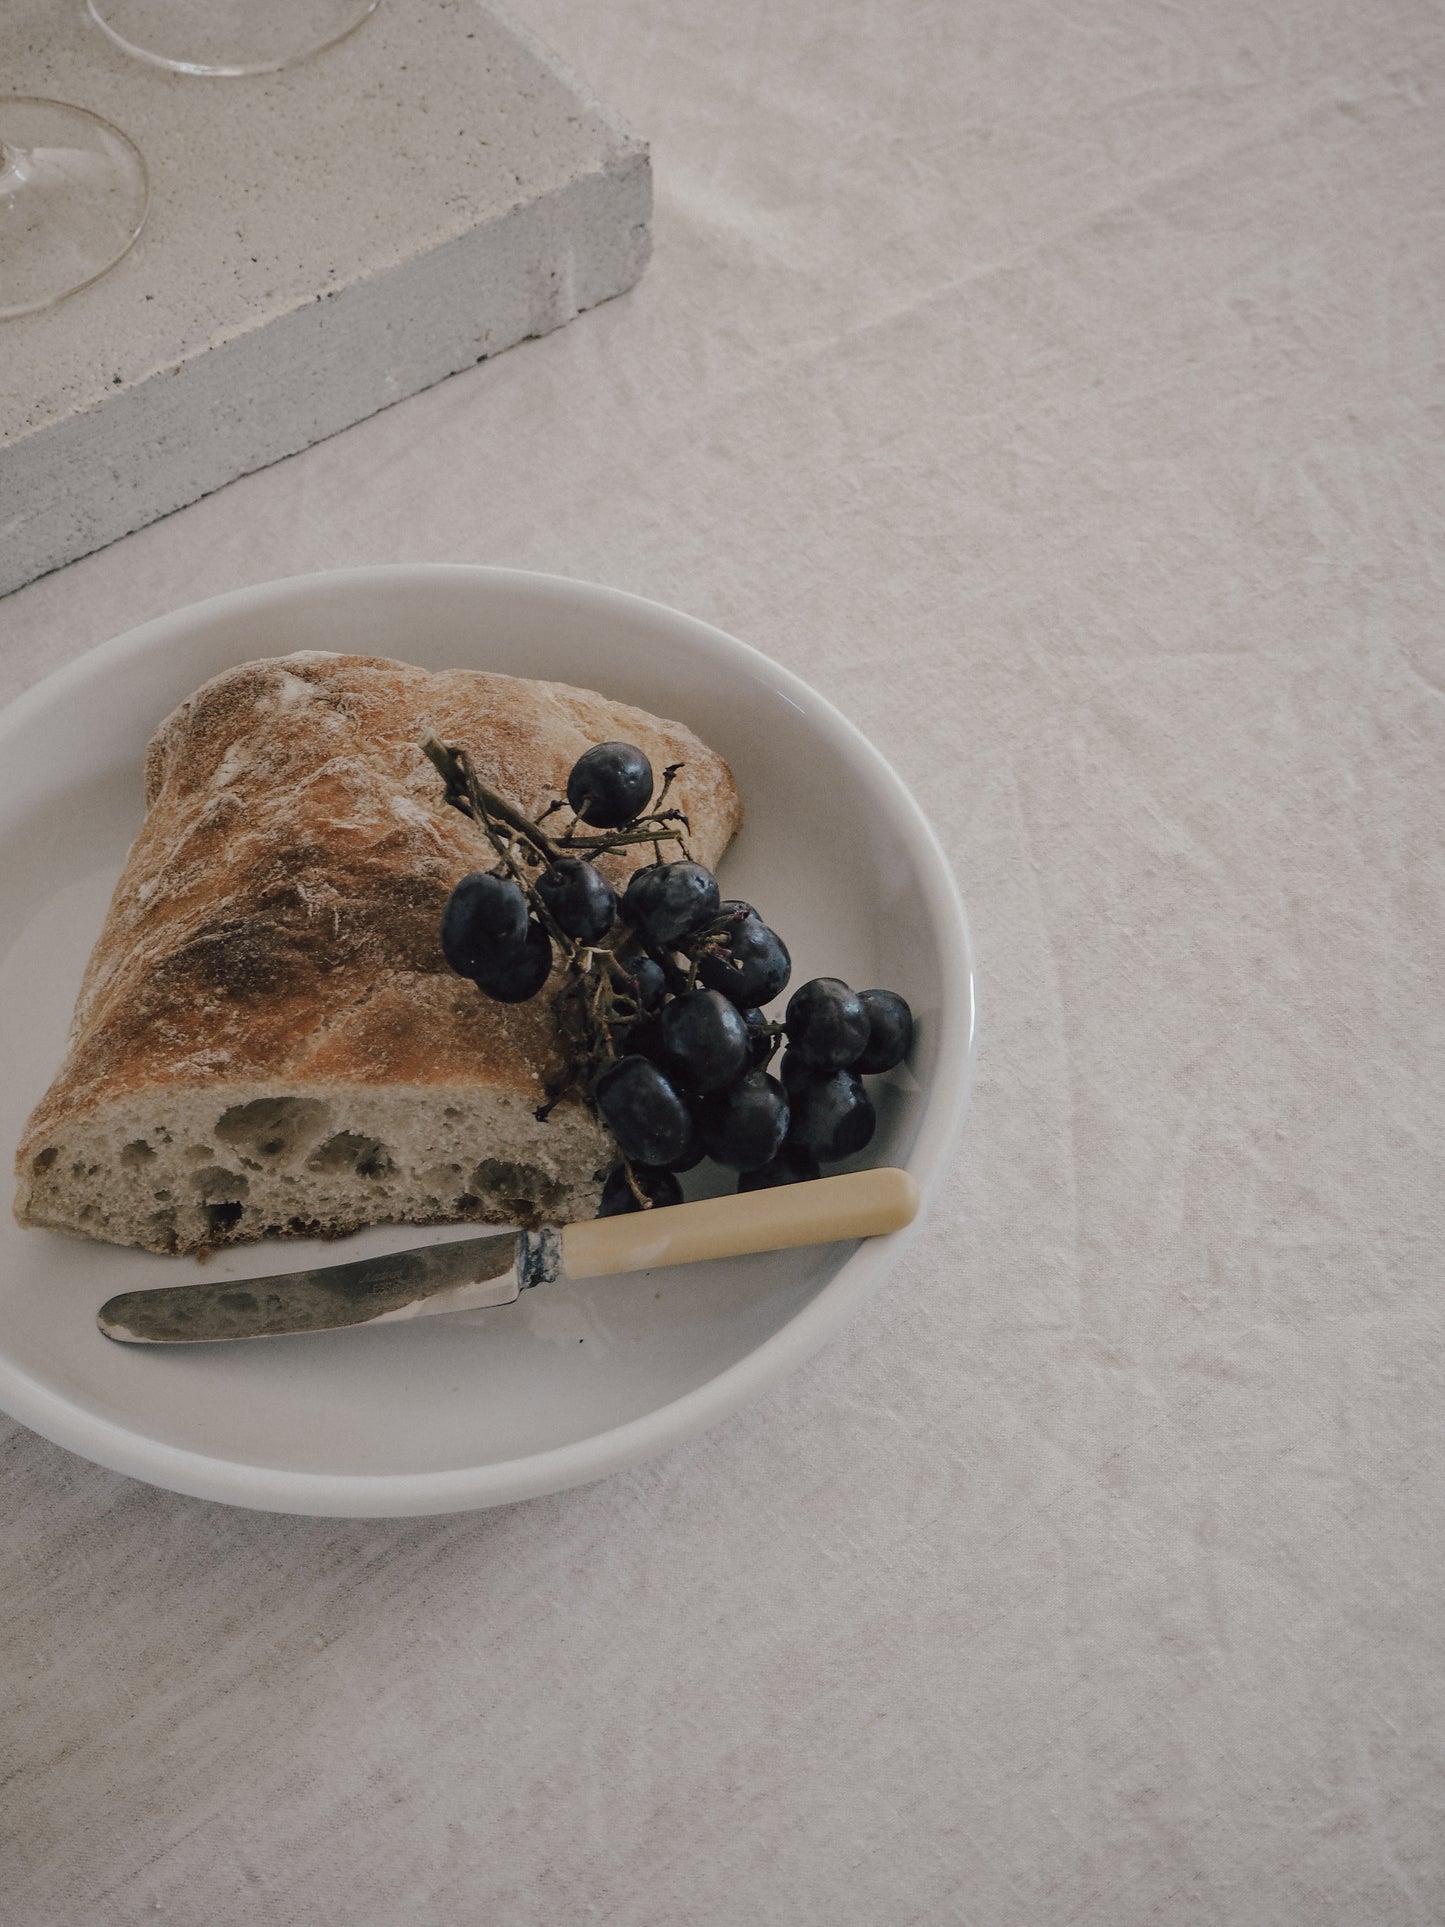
x=321, y=242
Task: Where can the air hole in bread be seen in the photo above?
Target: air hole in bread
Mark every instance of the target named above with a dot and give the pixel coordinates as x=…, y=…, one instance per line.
x=225, y=1216
x=216, y=1185
x=521, y=1189
x=136, y=1152
x=437, y=1177
x=348, y=1151
x=273, y=1128
x=44, y=1159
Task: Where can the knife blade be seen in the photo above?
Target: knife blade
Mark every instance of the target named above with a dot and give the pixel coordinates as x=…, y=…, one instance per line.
x=471, y=1273
x=403, y=1284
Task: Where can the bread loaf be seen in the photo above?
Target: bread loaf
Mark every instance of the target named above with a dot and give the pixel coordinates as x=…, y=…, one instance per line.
x=268, y=1039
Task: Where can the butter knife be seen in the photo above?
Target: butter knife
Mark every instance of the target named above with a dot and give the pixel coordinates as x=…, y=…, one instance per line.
x=475, y=1272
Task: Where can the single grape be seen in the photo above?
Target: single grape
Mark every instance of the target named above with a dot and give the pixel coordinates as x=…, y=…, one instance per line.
x=609, y=785
x=483, y=914
x=704, y=1040
x=754, y=965
x=651, y=981
x=827, y=1024
x=643, y=1111
x=665, y=902
x=744, y=1127
x=513, y=975
x=660, y=1187
x=832, y=1114
x=890, y=1031
x=792, y=1165
x=579, y=897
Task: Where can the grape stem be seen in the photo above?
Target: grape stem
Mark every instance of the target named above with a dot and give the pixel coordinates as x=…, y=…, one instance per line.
x=602, y=844
x=454, y=767
x=634, y=1187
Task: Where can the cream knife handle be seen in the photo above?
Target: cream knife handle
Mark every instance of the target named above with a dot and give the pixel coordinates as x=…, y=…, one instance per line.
x=860, y=1204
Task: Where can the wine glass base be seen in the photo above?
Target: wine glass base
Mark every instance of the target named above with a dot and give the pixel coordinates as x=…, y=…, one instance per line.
x=73, y=197
x=227, y=36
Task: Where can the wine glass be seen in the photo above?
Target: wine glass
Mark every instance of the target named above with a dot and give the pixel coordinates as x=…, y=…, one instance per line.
x=73, y=197
x=227, y=36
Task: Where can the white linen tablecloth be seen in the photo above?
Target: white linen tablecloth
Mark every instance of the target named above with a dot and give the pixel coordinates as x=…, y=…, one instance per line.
x=1059, y=389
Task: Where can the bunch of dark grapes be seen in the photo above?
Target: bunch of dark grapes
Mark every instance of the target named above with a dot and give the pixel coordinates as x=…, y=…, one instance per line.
x=661, y=1006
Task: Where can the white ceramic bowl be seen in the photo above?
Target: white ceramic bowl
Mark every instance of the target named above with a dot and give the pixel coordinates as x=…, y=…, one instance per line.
x=575, y=1380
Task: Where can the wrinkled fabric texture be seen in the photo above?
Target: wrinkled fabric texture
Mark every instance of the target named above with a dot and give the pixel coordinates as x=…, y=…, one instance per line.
x=1060, y=391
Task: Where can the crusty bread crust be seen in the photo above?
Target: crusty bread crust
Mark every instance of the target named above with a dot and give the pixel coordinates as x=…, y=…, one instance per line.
x=276, y=923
